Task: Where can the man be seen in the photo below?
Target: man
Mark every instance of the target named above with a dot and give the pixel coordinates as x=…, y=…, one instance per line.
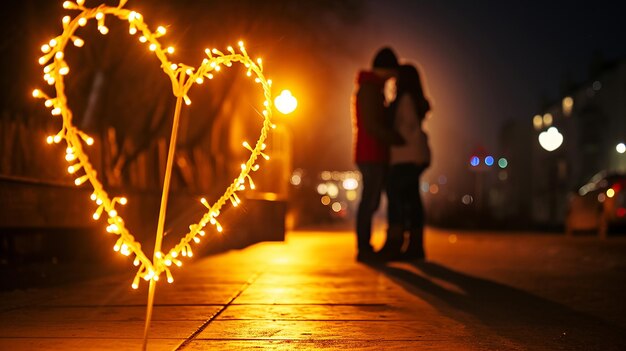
x=374, y=135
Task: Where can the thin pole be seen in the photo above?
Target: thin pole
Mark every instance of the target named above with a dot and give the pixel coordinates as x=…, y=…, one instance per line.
x=164, y=196
x=148, y=314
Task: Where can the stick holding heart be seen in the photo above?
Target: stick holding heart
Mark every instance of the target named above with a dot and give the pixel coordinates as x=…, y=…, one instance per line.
x=182, y=77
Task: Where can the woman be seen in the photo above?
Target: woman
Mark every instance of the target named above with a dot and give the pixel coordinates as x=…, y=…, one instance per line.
x=407, y=162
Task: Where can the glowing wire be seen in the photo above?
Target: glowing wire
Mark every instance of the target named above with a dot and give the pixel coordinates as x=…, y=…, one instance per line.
x=182, y=77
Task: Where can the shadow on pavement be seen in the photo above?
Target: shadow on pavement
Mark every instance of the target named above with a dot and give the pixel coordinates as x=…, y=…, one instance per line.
x=521, y=317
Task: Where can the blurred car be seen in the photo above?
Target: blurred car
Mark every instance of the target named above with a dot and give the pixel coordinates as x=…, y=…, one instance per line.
x=599, y=205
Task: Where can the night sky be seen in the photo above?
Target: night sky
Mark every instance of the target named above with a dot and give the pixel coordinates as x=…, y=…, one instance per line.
x=485, y=62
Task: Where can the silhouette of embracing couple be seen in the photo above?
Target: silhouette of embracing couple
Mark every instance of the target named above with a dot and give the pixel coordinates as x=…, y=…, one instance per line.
x=391, y=152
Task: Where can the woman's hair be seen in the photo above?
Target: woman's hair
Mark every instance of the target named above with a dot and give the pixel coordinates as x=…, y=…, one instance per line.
x=408, y=82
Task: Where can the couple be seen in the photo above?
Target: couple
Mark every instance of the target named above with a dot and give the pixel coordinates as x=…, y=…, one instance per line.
x=391, y=153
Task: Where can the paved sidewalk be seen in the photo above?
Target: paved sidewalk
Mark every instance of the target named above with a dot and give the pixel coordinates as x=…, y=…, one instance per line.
x=305, y=294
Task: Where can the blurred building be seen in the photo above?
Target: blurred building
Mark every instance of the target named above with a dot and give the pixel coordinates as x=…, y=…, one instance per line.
x=590, y=122
x=510, y=198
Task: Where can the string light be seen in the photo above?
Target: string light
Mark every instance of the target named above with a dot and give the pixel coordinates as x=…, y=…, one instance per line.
x=183, y=77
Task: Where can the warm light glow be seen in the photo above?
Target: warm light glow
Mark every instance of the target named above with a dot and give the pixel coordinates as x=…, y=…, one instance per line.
x=332, y=190
x=537, y=122
x=325, y=200
x=326, y=175
x=183, y=78
x=285, y=102
x=322, y=188
x=547, y=120
x=350, y=184
x=434, y=189
x=568, y=105
x=610, y=193
x=336, y=207
x=296, y=179
x=351, y=195
x=620, y=148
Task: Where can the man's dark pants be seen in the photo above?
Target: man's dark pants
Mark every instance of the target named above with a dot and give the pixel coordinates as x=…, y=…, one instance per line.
x=373, y=175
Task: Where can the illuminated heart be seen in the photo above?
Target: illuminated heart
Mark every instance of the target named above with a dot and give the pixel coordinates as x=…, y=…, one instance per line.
x=182, y=77
x=551, y=139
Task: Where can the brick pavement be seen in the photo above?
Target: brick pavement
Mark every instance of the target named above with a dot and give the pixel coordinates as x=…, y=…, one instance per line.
x=307, y=294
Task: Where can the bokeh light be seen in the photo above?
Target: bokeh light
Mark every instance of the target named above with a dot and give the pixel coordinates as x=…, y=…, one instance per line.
x=568, y=105
x=325, y=200
x=467, y=199
x=503, y=162
x=322, y=189
x=351, y=195
x=286, y=103
x=538, y=122
x=596, y=85
x=332, y=190
x=296, y=179
x=547, y=119
x=350, y=184
x=336, y=206
x=434, y=189
x=489, y=161
x=474, y=161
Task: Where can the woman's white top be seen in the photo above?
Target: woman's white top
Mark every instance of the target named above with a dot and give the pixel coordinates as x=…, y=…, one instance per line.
x=407, y=123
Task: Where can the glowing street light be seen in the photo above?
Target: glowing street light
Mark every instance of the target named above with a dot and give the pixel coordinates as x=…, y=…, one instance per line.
x=286, y=103
x=621, y=148
x=551, y=139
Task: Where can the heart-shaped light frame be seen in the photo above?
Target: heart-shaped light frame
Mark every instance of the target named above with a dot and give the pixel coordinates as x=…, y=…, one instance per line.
x=182, y=77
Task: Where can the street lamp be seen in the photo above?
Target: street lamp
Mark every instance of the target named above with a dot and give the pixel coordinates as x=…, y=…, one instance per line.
x=551, y=139
x=286, y=103
x=279, y=172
